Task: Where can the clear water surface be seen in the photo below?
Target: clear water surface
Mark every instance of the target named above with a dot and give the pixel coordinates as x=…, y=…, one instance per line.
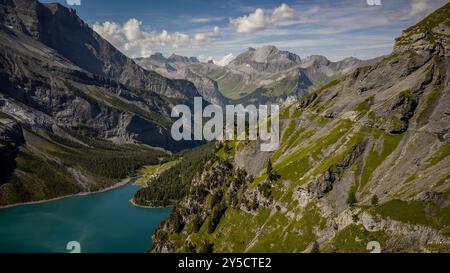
x=101, y=222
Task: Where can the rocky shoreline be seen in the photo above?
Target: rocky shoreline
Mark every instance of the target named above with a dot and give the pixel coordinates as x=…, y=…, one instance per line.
x=147, y=207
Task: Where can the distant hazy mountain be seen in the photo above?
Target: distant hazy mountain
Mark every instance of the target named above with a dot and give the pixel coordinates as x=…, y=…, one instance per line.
x=257, y=76
x=268, y=74
x=178, y=67
x=174, y=58
x=266, y=59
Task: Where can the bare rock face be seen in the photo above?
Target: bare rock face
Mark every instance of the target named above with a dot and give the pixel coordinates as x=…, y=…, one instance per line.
x=65, y=75
x=61, y=29
x=430, y=35
x=11, y=137
x=325, y=182
x=206, y=87
x=10, y=131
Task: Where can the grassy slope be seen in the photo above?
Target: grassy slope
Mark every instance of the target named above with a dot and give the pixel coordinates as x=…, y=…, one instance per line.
x=233, y=85
x=306, y=151
x=149, y=171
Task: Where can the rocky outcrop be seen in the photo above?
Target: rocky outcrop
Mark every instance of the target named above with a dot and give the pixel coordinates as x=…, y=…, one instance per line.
x=325, y=182
x=214, y=190
x=431, y=34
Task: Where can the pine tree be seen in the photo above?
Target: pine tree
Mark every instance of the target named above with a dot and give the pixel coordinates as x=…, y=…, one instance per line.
x=227, y=147
x=269, y=168
x=374, y=200
x=271, y=174
x=315, y=248
x=351, y=199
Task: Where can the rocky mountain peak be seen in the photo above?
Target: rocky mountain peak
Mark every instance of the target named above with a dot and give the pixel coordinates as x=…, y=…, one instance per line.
x=430, y=34
x=317, y=60
x=349, y=62
x=266, y=59
x=35, y=18
x=193, y=59
x=157, y=57
x=174, y=58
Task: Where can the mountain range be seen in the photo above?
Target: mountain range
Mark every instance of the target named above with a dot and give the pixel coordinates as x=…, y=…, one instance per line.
x=179, y=67
x=256, y=76
x=364, y=158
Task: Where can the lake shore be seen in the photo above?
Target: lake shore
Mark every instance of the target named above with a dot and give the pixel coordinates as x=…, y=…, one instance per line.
x=122, y=183
x=148, y=207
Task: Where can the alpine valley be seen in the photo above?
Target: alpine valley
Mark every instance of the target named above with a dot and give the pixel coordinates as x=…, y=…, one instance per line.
x=363, y=158
x=364, y=152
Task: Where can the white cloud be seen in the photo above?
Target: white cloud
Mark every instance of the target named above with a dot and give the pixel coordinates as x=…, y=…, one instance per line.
x=419, y=8
x=253, y=22
x=200, y=37
x=282, y=13
x=205, y=20
x=259, y=20
x=334, y=30
x=202, y=20
x=136, y=42
x=132, y=30
x=73, y=2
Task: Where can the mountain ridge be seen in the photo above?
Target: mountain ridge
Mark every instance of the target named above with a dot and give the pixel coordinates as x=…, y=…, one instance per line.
x=86, y=116
x=84, y=47
x=257, y=76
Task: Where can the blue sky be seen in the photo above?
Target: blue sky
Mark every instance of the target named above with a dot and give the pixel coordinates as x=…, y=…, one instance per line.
x=214, y=29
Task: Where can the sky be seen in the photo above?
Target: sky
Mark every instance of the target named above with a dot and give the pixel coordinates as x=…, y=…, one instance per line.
x=219, y=30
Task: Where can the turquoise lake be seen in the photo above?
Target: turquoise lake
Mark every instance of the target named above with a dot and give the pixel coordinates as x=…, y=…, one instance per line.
x=102, y=222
